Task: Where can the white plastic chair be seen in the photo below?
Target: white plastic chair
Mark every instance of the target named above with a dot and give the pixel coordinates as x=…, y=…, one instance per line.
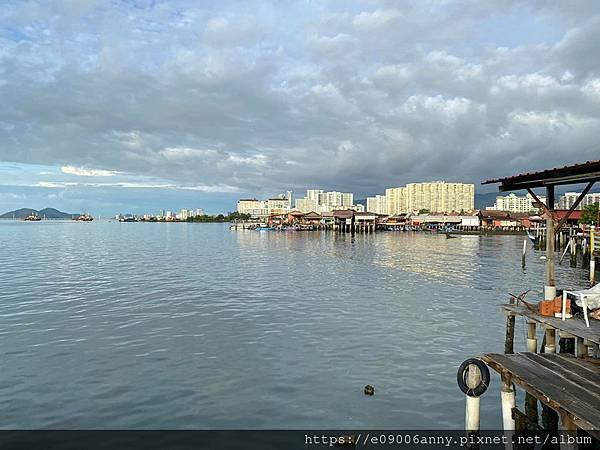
x=587, y=297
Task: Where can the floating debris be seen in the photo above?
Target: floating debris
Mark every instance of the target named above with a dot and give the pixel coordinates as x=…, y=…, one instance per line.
x=369, y=390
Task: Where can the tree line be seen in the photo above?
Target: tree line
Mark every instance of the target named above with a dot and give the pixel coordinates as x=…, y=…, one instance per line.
x=230, y=217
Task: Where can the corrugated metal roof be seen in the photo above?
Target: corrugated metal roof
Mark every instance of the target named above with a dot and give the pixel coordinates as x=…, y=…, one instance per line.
x=576, y=173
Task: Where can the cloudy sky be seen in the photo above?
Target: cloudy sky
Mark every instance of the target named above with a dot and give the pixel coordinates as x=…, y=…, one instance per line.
x=122, y=105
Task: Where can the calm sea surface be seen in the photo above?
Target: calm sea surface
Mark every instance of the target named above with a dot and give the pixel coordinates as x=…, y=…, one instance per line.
x=150, y=325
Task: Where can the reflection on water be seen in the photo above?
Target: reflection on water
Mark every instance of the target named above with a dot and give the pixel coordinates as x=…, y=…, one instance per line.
x=133, y=325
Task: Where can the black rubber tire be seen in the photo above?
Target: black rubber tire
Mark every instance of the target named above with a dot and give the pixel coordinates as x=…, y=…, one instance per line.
x=483, y=384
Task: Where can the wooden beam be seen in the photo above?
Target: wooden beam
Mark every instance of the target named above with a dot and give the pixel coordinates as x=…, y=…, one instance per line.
x=536, y=198
x=575, y=205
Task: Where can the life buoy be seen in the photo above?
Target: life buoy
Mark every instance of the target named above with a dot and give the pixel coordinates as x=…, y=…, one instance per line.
x=461, y=376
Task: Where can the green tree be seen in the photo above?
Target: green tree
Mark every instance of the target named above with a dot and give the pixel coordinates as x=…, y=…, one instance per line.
x=590, y=214
x=424, y=211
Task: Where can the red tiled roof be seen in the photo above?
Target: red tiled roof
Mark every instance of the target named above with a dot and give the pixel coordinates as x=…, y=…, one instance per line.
x=560, y=213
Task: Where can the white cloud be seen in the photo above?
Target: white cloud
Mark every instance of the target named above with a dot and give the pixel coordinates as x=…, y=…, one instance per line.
x=447, y=108
x=83, y=172
x=220, y=188
x=186, y=153
x=592, y=88
x=376, y=19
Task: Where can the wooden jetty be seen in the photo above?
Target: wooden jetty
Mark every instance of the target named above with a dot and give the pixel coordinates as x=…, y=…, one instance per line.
x=566, y=385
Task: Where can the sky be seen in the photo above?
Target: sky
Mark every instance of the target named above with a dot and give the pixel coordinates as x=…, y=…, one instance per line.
x=135, y=106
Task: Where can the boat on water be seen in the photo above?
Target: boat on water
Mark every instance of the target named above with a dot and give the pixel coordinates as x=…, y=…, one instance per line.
x=267, y=228
x=127, y=219
x=32, y=218
x=83, y=218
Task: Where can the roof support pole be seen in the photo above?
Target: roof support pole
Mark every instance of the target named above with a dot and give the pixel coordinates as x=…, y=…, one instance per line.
x=550, y=288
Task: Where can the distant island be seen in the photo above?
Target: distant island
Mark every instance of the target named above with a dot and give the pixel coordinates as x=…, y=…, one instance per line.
x=48, y=213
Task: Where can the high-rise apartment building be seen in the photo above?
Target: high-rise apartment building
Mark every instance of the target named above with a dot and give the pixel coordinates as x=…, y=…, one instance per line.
x=378, y=204
x=515, y=203
x=568, y=200
x=435, y=196
x=318, y=200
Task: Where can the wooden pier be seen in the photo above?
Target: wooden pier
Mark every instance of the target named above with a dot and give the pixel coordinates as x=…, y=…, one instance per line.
x=566, y=385
x=569, y=386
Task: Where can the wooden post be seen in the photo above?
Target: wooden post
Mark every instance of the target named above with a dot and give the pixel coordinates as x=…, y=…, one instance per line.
x=573, y=252
x=507, y=395
x=472, y=407
x=524, y=253
x=592, y=269
x=531, y=407
x=580, y=349
x=549, y=420
x=531, y=410
x=569, y=430
x=531, y=337
x=550, y=340
x=550, y=288
x=510, y=334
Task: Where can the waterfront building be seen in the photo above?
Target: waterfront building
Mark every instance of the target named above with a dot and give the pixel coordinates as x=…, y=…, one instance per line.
x=279, y=205
x=515, y=203
x=306, y=204
x=252, y=207
x=568, y=199
x=396, y=201
x=435, y=197
x=440, y=196
x=319, y=201
x=199, y=212
x=377, y=204
x=264, y=208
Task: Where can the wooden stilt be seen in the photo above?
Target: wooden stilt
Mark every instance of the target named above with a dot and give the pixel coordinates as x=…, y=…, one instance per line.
x=472, y=421
x=580, y=348
x=531, y=411
x=569, y=430
x=531, y=337
x=507, y=395
x=550, y=340
x=510, y=334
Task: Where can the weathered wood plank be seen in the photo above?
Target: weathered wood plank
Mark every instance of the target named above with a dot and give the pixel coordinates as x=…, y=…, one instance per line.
x=562, y=392
x=570, y=373
x=575, y=327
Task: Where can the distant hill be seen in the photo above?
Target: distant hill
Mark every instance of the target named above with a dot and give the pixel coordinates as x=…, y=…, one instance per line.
x=48, y=213
x=483, y=200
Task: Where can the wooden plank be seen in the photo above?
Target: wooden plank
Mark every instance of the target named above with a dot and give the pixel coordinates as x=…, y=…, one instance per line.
x=570, y=372
x=561, y=394
x=574, y=326
x=587, y=368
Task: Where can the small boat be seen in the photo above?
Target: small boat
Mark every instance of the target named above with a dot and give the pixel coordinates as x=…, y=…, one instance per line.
x=83, y=218
x=261, y=228
x=32, y=218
